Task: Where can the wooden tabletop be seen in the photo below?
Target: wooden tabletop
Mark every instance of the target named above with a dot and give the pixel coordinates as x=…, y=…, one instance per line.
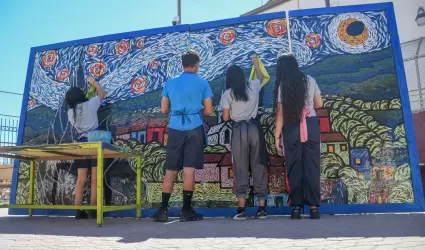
x=68, y=151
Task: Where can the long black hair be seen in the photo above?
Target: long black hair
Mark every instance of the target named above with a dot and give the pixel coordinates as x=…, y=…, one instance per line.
x=293, y=84
x=73, y=97
x=235, y=80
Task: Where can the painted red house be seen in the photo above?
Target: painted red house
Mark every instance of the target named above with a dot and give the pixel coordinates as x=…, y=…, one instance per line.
x=156, y=130
x=323, y=117
x=332, y=142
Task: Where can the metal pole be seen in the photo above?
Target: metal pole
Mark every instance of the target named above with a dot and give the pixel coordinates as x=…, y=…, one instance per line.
x=328, y=3
x=179, y=11
x=418, y=76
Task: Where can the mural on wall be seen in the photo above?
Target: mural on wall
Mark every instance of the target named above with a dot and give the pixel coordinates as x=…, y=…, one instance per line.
x=364, y=148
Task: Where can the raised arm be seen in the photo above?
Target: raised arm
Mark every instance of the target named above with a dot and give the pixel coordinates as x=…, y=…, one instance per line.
x=256, y=63
x=101, y=93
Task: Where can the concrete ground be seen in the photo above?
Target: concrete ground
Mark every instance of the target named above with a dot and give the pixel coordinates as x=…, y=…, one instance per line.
x=395, y=231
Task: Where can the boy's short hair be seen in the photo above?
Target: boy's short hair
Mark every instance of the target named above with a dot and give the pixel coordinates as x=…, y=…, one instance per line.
x=190, y=59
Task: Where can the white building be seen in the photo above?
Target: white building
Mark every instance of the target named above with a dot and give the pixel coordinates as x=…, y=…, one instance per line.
x=412, y=36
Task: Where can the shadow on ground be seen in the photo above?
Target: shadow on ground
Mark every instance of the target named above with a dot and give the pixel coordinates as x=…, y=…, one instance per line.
x=132, y=231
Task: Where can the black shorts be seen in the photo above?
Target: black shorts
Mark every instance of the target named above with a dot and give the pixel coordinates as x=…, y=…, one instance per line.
x=86, y=163
x=185, y=148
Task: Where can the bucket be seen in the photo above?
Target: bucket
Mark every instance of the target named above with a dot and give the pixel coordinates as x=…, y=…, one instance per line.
x=99, y=136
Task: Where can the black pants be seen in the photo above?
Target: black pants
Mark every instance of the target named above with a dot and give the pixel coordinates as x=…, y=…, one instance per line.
x=247, y=147
x=303, y=162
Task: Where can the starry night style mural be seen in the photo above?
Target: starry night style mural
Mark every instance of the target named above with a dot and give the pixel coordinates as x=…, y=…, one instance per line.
x=365, y=157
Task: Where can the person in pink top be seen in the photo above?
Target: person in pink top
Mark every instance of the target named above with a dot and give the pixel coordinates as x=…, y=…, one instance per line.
x=296, y=97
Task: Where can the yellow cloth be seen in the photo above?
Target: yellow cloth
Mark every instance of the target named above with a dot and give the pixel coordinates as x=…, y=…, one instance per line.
x=266, y=76
x=91, y=92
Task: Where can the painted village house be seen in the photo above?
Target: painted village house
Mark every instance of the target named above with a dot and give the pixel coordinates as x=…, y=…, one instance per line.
x=383, y=175
x=220, y=134
x=333, y=191
x=153, y=130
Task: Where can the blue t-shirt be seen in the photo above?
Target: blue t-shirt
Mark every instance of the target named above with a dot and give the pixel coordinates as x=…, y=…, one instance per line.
x=186, y=94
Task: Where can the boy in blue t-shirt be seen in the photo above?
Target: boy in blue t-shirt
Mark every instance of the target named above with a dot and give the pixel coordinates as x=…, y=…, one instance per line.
x=190, y=97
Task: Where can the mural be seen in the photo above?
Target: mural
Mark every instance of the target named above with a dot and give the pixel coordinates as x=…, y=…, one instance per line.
x=364, y=148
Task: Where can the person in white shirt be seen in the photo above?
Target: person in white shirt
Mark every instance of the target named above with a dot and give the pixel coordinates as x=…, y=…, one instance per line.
x=296, y=97
x=82, y=114
x=240, y=104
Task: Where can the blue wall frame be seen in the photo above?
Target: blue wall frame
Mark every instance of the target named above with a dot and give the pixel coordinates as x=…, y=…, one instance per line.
x=419, y=204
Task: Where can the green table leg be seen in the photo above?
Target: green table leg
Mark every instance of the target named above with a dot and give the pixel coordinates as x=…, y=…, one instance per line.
x=139, y=188
x=31, y=194
x=99, y=217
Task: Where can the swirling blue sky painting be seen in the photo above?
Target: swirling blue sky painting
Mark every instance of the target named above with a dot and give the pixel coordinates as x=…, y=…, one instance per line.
x=317, y=37
x=221, y=47
x=126, y=68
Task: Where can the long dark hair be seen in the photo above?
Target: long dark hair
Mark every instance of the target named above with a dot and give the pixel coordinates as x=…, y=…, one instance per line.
x=235, y=80
x=293, y=84
x=73, y=97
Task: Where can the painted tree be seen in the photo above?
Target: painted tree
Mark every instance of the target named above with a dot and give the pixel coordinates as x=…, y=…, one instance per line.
x=331, y=164
x=361, y=129
x=358, y=190
x=268, y=124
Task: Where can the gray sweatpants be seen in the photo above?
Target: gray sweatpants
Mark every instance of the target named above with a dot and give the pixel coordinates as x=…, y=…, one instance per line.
x=246, y=150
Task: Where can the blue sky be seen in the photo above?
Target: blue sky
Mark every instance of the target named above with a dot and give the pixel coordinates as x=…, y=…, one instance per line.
x=27, y=23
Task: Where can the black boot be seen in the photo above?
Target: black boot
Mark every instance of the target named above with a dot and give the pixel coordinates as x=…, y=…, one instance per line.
x=81, y=214
x=314, y=213
x=296, y=213
x=161, y=215
x=92, y=214
x=190, y=215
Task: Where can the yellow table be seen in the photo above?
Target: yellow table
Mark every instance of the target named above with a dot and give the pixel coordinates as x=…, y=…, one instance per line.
x=75, y=151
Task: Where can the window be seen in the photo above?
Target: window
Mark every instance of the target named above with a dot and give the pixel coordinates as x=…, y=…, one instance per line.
x=134, y=135
x=142, y=138
x=380, y=175
x=358, y=161
x=227, y=136
x=155, y=136
x=331, y=148
x=230, y=172
x=343, y=147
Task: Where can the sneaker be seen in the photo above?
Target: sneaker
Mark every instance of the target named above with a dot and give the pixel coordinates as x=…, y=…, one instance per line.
x=261, y=214
x=189, y=215
x=240, y=216
x=92, y=214
x=296, y=213
x=314, y=214
x=161, y=215
x=81, y=215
